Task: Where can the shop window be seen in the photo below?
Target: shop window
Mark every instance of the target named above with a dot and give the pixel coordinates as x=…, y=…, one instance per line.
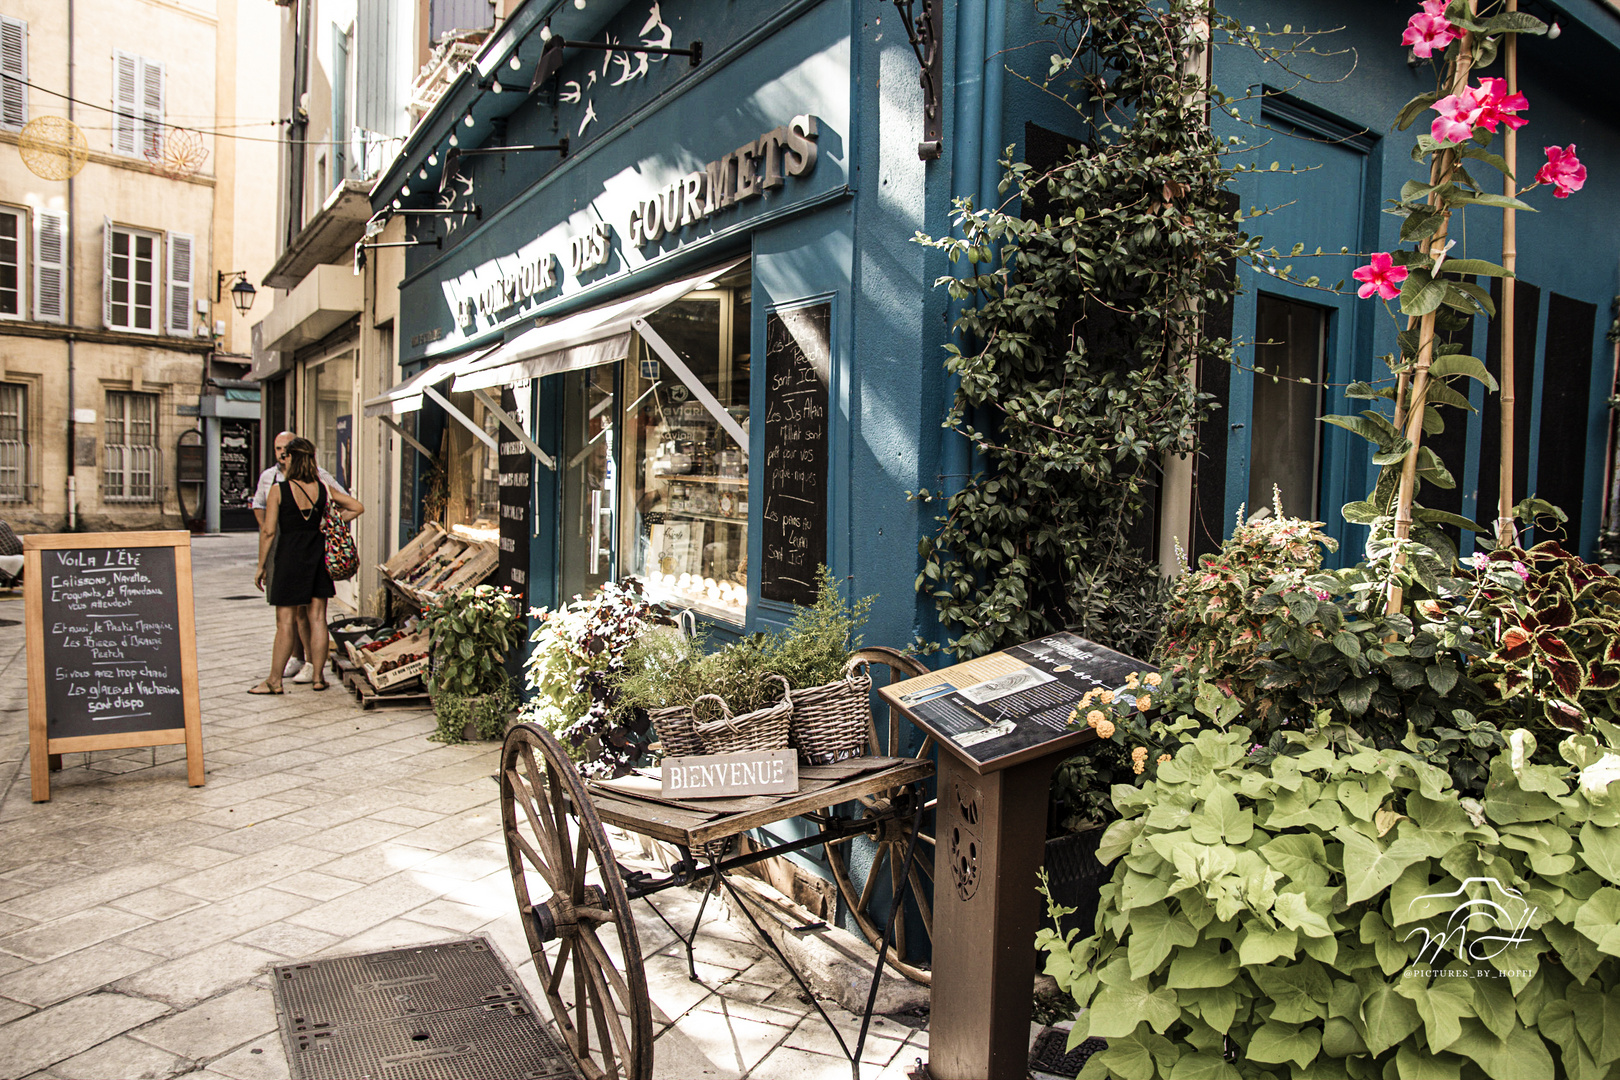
x=684, y=527
x=329, y=413
x=473, y=506
x=1286, y=449
x=13, y=442
x=130, y=469
x=130, y=301
x=11, y=263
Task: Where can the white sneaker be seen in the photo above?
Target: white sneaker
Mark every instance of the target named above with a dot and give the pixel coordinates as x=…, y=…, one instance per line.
x=306, y=674
x=294, y=666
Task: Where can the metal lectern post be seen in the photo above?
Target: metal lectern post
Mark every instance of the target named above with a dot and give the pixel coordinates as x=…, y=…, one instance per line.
x=992, y=828
x=1002, y=723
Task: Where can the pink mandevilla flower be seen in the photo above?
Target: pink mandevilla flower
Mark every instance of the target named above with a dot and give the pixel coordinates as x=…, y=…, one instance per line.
x=1380, y=277
x=1429, y=30
x=1487, y=106
x=1563, y=171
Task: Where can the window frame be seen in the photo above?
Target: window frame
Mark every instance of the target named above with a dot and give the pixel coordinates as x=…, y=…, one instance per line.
x=24, y=465
x=24, y=223
x=157, y=263
x=154, y=472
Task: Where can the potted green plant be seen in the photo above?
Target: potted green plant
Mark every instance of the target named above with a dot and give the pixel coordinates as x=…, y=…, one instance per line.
x=471, y=632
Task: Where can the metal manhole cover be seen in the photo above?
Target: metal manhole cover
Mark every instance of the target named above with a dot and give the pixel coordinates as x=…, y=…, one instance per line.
x=426, y=1012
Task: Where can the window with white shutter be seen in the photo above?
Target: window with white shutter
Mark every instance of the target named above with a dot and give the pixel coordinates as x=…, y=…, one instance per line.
x=13, y=72
x=180, y=283
x=131, y=267
x=152, y=73
x=13, y=227
x=137, y=105
x=50, y=266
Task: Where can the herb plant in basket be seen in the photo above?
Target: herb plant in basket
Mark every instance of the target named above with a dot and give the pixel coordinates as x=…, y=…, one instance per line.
x=831, y=698
x=472, y=631
x=666, y=674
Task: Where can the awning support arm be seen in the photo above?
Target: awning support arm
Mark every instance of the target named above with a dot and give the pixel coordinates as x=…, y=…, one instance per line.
x=585, y=450
x=693, y=383
x=409, y=439
x=510, y=424
x=462, y=418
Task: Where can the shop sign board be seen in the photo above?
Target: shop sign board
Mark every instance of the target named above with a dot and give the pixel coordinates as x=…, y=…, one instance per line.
x=112, y=647
x=515, y=473
x=715, y=776
x=793, y=524
x=236, y=455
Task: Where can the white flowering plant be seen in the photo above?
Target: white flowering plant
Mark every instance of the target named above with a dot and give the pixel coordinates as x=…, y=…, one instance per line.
x=578, y=649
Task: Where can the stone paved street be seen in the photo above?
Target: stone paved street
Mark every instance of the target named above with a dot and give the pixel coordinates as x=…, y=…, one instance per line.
x=139, y=917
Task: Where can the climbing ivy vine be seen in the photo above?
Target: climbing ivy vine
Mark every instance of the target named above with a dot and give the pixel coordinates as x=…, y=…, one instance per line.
x=1084, y=308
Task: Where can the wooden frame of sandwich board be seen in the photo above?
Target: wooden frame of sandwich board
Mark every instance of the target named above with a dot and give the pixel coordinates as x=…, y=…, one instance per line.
x=44, y=752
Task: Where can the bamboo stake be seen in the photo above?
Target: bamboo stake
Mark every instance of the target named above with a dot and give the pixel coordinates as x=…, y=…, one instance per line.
x=1506, y=317
x=1425, y=357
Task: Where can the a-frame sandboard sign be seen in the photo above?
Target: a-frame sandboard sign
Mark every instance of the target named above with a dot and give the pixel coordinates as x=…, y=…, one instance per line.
x=112, y=647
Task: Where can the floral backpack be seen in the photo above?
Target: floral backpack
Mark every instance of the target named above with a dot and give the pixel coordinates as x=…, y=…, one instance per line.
x=342, y=558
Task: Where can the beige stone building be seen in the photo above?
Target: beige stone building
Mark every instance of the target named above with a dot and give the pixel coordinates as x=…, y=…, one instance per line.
x=111, y=320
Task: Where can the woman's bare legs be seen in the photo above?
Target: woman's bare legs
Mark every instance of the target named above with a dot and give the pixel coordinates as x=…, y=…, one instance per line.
x=317, y=642
x=286, y=635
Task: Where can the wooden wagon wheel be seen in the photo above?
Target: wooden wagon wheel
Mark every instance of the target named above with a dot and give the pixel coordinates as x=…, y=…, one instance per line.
x=569, y=896
x=890, y=837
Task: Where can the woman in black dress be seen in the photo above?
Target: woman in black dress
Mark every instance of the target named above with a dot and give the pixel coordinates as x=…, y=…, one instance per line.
x=293, y=514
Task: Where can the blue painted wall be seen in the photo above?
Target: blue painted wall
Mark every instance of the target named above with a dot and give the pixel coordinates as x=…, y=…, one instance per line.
x=1571, y=247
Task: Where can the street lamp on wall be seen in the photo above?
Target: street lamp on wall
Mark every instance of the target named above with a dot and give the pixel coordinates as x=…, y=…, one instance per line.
x=242, y=293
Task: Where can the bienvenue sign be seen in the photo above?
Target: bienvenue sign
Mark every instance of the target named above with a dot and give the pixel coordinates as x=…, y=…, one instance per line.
x=753, y=772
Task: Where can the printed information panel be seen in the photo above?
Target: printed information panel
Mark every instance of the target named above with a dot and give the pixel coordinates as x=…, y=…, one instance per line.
x=1009, y=706
x=112, y=650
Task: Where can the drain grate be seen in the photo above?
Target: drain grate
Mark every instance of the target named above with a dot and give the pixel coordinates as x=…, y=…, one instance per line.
x=426, y=1012
x=1050, y=1053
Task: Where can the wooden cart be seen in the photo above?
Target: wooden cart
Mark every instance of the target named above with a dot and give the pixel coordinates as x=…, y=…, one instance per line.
x=575, y=897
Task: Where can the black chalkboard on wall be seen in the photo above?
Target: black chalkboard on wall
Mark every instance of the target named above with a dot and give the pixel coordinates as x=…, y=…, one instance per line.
x=793, y=527
x=112, y=652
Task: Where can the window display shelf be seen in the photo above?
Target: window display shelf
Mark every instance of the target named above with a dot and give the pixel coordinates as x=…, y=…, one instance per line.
x=738, y=520
x=693, y=478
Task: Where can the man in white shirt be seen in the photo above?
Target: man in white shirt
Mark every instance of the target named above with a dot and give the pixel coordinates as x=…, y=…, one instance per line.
x=298, y=669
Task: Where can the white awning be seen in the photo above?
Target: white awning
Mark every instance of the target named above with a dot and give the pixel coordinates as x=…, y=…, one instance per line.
x=598, y=335
x=407, y=396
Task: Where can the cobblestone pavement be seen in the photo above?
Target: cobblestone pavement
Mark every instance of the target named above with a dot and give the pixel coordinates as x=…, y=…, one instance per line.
x=139, y=917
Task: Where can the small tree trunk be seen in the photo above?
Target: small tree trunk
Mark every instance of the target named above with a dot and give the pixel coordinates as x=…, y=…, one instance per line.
x=1510, y=257
x=1445, y=167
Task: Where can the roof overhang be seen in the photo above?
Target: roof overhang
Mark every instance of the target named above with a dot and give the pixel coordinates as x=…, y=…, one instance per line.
x=329, y=237
x=323, y=301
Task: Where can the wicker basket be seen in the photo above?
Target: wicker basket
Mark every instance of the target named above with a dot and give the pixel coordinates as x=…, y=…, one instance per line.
x=674, y=727
x=833, y=721
x=762, y=729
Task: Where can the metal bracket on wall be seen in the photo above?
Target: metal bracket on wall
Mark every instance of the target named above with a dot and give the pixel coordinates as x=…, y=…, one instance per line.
x=925, y=31
x=726, y=421
x=462, y=418
x=510, y=423
x=409, y=439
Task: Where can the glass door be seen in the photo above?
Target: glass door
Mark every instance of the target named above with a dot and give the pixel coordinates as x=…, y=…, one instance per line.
x=588, y=481
x=1286, y=449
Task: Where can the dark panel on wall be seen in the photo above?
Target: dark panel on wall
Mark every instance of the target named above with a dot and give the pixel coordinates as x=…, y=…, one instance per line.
x=1525, y=335
x=1565, y=398
x=1044, y=148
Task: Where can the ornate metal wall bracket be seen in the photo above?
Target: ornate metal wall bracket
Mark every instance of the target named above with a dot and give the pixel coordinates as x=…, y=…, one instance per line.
x=925, y=29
